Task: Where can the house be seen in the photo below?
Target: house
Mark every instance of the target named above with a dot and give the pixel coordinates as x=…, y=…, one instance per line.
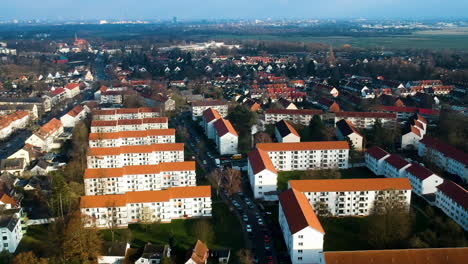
x=72, y=89
x=423, y=181
x=200, y=106
x=374, y=158
x=346, y=130
x=226, y=137
x=366, y=120
x=118, y=157
x=10, y=227
x=28, y=153
x=13, y=166
x=57, y=95
x=287, y=104
x=113, y=252
x=146, y=206
x=302, y=231
x=131, y=138
x=410, y=137
x=351, y=197
x=452, y=199
x=406, y=112
x=10, y=109
x=46, y=135
x=98, y=126
x=153, y=254
x=210, y=116
x=329, y=105
x=302, y=117
x=221, y=256
x=41, y=167
x=285, y=132
x=262, y=175
x=252, y=105
x=199, y=254
x=103, y=181
x=43, y=104
x=394, y=166
x=165, y=102
x=444, y=156
x=12, y=122
x=75, y=115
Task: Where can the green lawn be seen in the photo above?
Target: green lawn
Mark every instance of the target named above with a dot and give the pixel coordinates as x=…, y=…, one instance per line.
x=352, y=173
x=34, y=240
x=180, y=233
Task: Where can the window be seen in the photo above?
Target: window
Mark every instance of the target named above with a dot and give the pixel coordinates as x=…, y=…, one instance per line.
x=301, y=236
x=300, y=243
x=299, y=258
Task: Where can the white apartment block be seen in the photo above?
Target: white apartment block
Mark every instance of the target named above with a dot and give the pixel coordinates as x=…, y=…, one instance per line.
x=444, y=156
x=301, y=117
x=200, y=106
x=423, y=180
x=139, y=178
x=119, y=210
x=131, y=138
x=453, y=200
x=346, y=130
x=126, y=113
x=111, y=97
x=210, y=116
x=285, y=132
x=13, y=122
x=77, y=114
x=395, y=166
x=45, y=136
x=374, y=158
x=366, y=120
x=302, y=231
x=11, y=231
x=109, y=126
x=226, y=137
x=269, y=158
x=352, y=197
x=135, y=155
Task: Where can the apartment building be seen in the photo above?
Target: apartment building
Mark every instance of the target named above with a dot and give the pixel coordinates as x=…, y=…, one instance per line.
x=10, y=224
x=210, y=116
x=395, y=166
x=109, y=126
x=351, y=197
x=75, y=115
x=302, y=231
x=226, y=137
x=126, y=113
x=286, y=133
x=453, y=200
x=119, y=210
x=131, y=138
x=301, y=117
x=346, y=130
x=13, y=122
x=423, y=180
x=366, y=120
x=200, y=106
x=268, y=158
x=45, y=136
x=139, y=178
x=135, y=155
x=444, y=156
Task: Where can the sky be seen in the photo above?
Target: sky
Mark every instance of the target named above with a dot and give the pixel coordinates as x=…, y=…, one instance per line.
x=219, y=9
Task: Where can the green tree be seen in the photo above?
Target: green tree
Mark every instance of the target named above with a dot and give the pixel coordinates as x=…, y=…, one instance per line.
x=6, y=257
x=316, y=130
x=311, y=68
x=243, y=119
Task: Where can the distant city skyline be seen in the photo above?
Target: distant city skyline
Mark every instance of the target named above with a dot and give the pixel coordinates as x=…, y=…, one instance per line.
x=240, y=9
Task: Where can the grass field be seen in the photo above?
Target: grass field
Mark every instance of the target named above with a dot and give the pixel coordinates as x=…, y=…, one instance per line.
x=444, y=39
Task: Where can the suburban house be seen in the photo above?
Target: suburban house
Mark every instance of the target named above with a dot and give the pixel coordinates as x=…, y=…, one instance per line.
x=46, y=135
x=14, y=166
x=135, y=155
x=10, y=224
x=395, y=166
x=72, y=89
x=131, y=138
x=453, y=200
x=226, y=137
x=153, y=254
x=210, y=116
x=302, y=231
x=104, y=181
x=77, y=114
x=199, y=254
x=444, y=156
x=351, y=197
x=301, y=117
x=119, y=210
x=101, y=126
x=345, y=130
x=200, y=106
x=285, y=132
x=113, y=252
x=374, y=158
x=12, y=122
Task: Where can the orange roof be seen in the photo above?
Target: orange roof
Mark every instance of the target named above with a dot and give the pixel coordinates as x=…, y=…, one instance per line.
x=49, y=128
x=75, y=111
x=223, y=127
x=399, y=256
x=6, y=120
x=130, y=134
x=71, y=86
x=211, y=114
x=120, y=200
x=343, y=185
x=317, y=145
x=259, y=161
x=139, y=169
x=6, y=199
x=136, y=149
x=298, y=212
x=415, y=131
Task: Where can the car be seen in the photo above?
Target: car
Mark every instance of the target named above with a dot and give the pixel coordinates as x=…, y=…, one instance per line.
x=255, y=259
x=260, y=222
x=251, y=206
x=266, y=238
x=236, y=204
x=248, y=228
x=267, y=247
x=245, y=218
x=269, y=258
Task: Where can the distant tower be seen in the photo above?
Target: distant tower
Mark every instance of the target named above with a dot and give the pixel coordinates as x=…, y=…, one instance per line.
x=174, y=20
x=331, y=57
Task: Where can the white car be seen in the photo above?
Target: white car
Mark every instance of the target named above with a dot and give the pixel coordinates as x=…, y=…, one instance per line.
x=248, y=228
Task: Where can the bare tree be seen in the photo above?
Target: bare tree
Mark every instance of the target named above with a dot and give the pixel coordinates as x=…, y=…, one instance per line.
x=245, y=256
x=146, y=217
x=231, y=181
x=112, y=218
x=262, y=137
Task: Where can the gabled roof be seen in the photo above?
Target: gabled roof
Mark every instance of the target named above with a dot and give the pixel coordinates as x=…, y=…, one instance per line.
x=294, y=111
x=49, y=128
x=455, y=192
x=200, y=253
x=445, y=149
x=346, y=128
x=377, y=153
x=317, y=145
x=298, y=212
x=419, y=171
x=75, y=111
x=209, y=103
x=259, y=161
x=285, y=129
x=71, y=86
x=398, y=256
x=211, y=114
x=396, y=161
x=343, y=185
x=223, y=127
x=139, y=169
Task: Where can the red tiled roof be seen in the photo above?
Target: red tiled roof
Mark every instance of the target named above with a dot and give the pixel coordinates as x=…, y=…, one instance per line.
x=347, y=185
x=396, y=161
x=75, y=111
x=345, y=115
x=455, y=192
x=71, y=86
x=49, y=128
x=419, y=171
x=294, y=111
x=318, y=145
x=57, y=91
x=259, y=161
x=446, y=149
x=223, y=127
x=298, y=212
x=377, y=152
x=211, y=114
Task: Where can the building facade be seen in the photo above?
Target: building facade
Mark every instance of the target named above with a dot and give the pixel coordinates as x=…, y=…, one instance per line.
x=302, y=117
x=109, y=126
x=131, y=138
x=200, y=106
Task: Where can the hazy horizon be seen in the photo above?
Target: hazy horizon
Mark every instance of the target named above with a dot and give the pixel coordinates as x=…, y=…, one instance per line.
x=241, y=9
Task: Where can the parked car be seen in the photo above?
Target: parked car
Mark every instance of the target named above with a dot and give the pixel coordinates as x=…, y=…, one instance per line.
x=249, y=228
